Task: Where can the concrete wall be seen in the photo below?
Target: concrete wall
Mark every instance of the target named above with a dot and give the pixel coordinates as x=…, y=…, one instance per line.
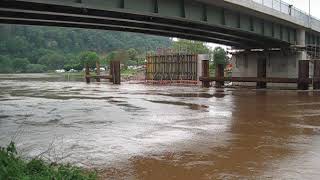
x=279, y=64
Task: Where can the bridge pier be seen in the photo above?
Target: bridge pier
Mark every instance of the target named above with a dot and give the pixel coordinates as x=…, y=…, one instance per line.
x=115, y=72
x=220, y=75
x=87, y=73
x=98, y=71
x=261, y=72
x=266, y=63
x=316, y=74
x=303, y=78
x=205, y=72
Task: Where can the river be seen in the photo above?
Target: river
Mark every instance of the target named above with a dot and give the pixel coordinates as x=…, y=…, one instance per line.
x=137, y=131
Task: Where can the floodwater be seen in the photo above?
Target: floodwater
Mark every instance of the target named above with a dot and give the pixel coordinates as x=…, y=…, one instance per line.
x=136, y=131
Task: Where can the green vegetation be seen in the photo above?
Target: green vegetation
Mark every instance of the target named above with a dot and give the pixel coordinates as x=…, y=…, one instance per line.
x=38, y=49
x=89, y=58
x=129, y=72
x=189, y=46
x=14, y=167
x=217, y=56
x=30, y=49
x=220, y=56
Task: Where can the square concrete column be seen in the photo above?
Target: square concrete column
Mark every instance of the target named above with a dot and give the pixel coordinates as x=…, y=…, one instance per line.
x=205, y=73
x=98, y=71
x=316, y=74
x=303, y=79
x=219, y=75
x=115, y=72
x=261, y=72
x=87, y=73
x=301, y=41
x=203, y=69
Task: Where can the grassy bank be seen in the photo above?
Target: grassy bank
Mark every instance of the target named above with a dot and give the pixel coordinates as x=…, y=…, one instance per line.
x=14, y=167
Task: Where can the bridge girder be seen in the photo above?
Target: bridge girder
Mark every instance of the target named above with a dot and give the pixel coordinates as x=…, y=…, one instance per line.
x=152, y=20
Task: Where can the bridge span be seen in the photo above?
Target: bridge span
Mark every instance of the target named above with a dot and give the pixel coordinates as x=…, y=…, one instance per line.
x=243, y=24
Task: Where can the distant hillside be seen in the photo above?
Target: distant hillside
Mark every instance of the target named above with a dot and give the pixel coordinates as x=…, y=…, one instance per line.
x=32, y=42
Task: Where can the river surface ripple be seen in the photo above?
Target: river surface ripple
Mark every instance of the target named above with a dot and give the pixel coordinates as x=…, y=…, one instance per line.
x=136, y=131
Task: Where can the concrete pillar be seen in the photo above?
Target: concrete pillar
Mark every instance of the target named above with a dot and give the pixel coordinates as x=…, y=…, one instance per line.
x=205, y=73
x=98, y=70
x=303, y=79
x=261, y=72
x=219, y=75
x=301, y=41
x=115, y=72
x=316, y=74
x=111, y=71
x=200, y=58
x=87, y=73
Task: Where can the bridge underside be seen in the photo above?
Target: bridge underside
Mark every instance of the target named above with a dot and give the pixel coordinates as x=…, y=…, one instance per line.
x=186, y=19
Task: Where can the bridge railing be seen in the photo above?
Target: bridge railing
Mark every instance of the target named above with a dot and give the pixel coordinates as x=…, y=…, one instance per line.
x=290, y=10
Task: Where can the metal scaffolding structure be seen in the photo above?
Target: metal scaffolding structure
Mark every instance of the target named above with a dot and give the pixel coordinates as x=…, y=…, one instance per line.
x=172, y=68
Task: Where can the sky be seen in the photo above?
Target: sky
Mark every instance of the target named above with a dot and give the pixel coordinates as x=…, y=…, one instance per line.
x=300, y=4
x=304, y=5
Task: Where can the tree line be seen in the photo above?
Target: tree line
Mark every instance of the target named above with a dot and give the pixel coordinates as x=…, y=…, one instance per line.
x=39, y=49
x=32, y=49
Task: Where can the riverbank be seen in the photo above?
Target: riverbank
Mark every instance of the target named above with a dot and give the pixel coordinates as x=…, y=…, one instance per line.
x=12, y=166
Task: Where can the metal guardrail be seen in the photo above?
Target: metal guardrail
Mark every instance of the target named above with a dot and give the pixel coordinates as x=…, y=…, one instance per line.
x=288, y=9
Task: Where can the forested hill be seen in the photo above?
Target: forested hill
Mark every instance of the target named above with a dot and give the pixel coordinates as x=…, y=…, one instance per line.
x=34, y=42
x=26, y=41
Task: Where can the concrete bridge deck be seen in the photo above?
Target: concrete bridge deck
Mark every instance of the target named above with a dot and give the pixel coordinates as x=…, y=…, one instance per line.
x=242, y=24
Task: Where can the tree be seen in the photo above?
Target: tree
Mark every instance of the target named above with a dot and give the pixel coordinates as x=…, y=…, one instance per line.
x=5, y=65
x=123, y=57
x=120, y=55
x=18, y=46
x=220, y=56
x=35, y=68
x=133, y=56
x=189, y=46
x=53, y=61
x=59, y=48
x=20, y=64
x=109, y=58
x=73, y=63
x=89, y=57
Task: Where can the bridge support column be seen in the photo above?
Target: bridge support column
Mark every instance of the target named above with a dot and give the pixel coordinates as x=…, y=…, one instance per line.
x=261, y=72
x=98, y=71
x=219, y=75
x=87, y=73
x=301, y=41
x=115, y=72
x=205, y=73
x=316, y=74
x=303, y=79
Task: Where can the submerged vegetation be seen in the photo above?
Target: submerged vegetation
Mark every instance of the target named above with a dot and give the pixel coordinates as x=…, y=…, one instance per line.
x=14, y=167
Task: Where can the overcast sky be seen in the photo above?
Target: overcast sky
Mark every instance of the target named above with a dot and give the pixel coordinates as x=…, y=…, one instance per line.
x=304, y=5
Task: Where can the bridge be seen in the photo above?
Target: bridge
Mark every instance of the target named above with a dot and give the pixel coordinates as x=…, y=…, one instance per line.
x=283, y=34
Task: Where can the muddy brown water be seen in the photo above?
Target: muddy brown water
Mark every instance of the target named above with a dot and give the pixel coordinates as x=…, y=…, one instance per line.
x=136, y=131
